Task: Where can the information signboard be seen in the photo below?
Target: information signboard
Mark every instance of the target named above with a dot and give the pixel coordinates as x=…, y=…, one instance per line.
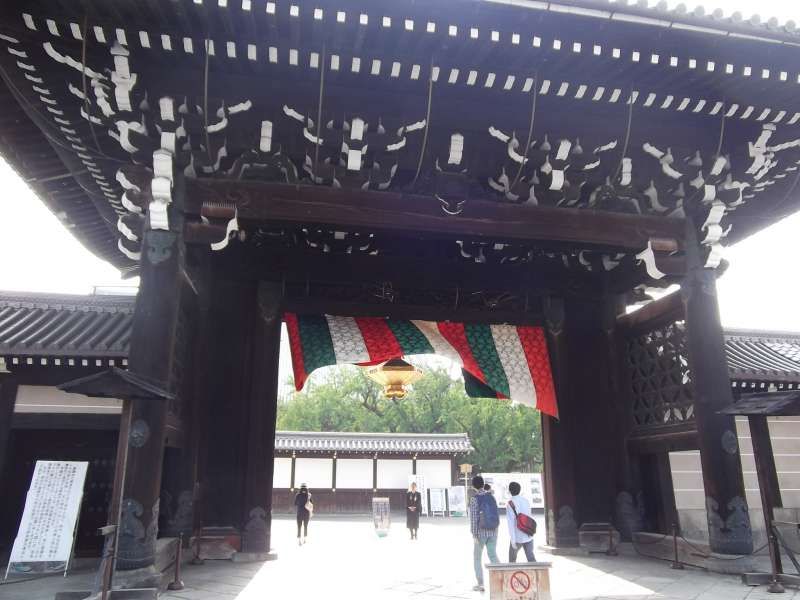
x=438, y=502
x=47, y=529
x=457, y=499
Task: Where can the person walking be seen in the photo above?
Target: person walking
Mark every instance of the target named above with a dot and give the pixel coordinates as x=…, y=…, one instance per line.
x=305, y=507
x=484, y=520
x=521, y=525
x=413, y=508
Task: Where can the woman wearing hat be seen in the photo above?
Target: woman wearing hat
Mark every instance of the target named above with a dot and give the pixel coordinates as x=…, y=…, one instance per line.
x=305, y=507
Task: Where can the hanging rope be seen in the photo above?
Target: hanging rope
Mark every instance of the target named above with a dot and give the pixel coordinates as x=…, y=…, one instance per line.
x=427, y=128
x=86, y=104
x=721, y=131
x=627, y=134
x=530, y=130
x=205, y=102
x=319, y=109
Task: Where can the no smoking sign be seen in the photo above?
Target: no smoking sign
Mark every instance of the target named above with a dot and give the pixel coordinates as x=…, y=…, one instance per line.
x=518, y=585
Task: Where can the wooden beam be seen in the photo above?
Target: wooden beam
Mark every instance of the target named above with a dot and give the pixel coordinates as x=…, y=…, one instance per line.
x=422, y=216
x=317, y=306
x=679, y=439
x=665, y=310
x=412, y=271
x=768, y=484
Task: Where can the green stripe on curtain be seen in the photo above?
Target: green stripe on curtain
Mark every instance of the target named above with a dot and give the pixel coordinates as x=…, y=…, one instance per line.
x=411, y=339
x=315, y=337
x=481, y=342
x=475, y=388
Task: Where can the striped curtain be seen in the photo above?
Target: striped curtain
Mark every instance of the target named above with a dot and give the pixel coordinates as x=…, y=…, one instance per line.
x=502, y=361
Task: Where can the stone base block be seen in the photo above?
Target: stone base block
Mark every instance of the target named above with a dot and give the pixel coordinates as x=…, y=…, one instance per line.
x=598, y=538
x=694, y=554
x=246, y=557
x=563, y=550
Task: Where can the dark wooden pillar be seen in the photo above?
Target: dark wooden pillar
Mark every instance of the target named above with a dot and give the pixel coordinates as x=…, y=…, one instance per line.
x=558, y=448
x=589, y=413
x=153, y=354
x=179, y=481
x=726, y=504
x=767, y=480
x=262, y=405
x=8, y=397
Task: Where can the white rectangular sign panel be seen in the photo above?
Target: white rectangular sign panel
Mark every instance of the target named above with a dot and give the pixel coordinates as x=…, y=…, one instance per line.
x=437, y=500
x=457, y=498
x=51, y=511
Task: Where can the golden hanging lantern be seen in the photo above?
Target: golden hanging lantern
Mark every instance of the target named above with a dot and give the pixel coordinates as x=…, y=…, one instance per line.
x=394, y=375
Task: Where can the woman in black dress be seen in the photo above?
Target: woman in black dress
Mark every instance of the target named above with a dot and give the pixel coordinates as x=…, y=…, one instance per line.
x=413, y=508
x=302, y=502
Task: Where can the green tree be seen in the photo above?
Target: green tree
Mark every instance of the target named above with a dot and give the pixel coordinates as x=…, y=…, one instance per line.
x=505, y=437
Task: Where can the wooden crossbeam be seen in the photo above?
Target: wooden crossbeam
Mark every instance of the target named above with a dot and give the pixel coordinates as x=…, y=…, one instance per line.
x=422, y=216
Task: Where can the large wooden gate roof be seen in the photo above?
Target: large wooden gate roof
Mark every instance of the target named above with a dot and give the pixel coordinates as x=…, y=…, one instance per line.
x=365, y=126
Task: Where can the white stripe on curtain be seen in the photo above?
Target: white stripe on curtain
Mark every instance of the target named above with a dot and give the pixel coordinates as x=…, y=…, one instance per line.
x=515, y=364
x=440, y=345
x=348, y=343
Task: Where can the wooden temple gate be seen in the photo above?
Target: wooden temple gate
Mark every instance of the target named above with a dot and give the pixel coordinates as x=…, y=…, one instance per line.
x=476, y=162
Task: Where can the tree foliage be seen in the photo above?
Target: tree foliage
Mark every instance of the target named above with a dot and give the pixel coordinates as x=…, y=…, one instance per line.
x=505, y=437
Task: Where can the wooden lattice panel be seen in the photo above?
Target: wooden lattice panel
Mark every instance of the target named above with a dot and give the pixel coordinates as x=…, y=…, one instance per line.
x=660, y=380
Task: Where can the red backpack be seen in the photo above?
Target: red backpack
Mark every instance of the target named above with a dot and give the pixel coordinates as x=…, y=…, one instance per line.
x=525, y=523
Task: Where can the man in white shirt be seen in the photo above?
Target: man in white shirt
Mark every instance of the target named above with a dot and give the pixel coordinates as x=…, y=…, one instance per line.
x=518, y=505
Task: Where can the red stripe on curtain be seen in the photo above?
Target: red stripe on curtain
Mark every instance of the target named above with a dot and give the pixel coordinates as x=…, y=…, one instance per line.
x=379, y=339
x=456, y=336
x=296, y=346
x=535, y=347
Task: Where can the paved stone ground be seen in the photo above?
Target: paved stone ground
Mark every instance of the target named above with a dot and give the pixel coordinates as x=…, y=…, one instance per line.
x=345, y=559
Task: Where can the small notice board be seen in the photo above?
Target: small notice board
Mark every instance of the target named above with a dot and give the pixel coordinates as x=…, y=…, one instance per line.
x=46, y=533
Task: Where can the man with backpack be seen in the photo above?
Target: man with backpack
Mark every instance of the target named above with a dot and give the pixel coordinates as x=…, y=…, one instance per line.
x=484, y=520
x=521, y=525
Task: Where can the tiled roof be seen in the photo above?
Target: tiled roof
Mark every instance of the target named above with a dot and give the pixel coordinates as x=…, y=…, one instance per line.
x=59, y=325
x=763, y=356
x=703, y=19
x=386, y=443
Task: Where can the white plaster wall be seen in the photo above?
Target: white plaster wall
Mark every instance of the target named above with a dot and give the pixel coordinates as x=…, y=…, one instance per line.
x=314, y=472
x=282, y=473
x=437, y=473
x=354, y=474
x=393, y=474
x=50, y=399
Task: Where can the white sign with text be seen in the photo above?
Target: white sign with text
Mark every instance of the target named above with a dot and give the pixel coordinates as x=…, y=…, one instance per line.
x=52, y=506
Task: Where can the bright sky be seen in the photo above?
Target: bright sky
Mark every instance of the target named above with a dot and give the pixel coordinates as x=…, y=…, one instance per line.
x=759, y=290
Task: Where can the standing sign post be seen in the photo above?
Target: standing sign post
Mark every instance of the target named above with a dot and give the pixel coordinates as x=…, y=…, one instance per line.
x=438, y=502
x=519, y=581
x=457, y=500
x=381, y=516
x=47, y=529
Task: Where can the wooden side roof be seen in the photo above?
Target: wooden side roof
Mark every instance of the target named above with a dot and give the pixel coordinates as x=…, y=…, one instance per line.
x=65, y=328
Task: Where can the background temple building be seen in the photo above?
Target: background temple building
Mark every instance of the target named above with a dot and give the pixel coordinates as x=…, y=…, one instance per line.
x=492, y=181
x=346, y=470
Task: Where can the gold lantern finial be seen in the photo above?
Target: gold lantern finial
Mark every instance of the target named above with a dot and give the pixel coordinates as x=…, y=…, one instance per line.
x=394, y=375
